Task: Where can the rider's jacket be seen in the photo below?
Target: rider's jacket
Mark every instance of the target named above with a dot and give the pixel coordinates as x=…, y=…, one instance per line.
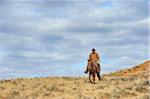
x=94, y=57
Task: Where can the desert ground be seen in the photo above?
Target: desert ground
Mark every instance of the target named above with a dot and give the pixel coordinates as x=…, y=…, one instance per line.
x=132, y=83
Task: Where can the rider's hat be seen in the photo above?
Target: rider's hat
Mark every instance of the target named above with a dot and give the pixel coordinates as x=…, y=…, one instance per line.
x=93, y=49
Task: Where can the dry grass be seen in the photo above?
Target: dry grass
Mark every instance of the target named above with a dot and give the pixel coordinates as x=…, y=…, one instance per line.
x=111, y=87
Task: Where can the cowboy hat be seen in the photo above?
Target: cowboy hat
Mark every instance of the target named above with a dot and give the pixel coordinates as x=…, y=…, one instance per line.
x=93, y=49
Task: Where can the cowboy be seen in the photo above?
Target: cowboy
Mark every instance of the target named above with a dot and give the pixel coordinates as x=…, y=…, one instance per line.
x=96, y=59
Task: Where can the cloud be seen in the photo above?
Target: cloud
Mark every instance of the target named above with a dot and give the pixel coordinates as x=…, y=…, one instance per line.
x=4, y=70
x=55, y=37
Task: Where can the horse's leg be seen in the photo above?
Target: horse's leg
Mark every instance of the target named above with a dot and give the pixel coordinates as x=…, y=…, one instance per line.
x=98, y=75
x=94, y=78
x=90, y=77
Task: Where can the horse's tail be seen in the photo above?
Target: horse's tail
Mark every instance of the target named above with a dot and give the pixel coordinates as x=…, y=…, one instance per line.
x=93, y=67
x=96, y=65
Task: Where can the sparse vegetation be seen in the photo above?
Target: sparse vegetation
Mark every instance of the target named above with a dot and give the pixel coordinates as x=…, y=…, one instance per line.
x=113, y=86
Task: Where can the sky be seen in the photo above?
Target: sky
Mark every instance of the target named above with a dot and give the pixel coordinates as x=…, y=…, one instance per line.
x=40, y=38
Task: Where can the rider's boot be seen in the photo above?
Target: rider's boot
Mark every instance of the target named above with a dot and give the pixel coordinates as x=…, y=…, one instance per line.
x=86, y=71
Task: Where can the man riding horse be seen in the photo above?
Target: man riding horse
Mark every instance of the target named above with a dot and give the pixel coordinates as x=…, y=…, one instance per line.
x=94, y=57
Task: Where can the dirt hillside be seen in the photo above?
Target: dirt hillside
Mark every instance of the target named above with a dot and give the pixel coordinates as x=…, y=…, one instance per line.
x=135, y=70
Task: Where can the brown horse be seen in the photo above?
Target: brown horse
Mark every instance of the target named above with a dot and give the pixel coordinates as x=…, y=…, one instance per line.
x=93, y=70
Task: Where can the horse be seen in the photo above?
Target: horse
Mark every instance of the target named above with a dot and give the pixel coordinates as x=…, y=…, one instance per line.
x=93, y=69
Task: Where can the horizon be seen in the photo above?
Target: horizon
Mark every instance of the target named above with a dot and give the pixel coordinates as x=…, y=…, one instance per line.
x=60, y=76
x=54, y=38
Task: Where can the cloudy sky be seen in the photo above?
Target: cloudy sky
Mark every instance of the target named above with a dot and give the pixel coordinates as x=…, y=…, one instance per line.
x=54, y=37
